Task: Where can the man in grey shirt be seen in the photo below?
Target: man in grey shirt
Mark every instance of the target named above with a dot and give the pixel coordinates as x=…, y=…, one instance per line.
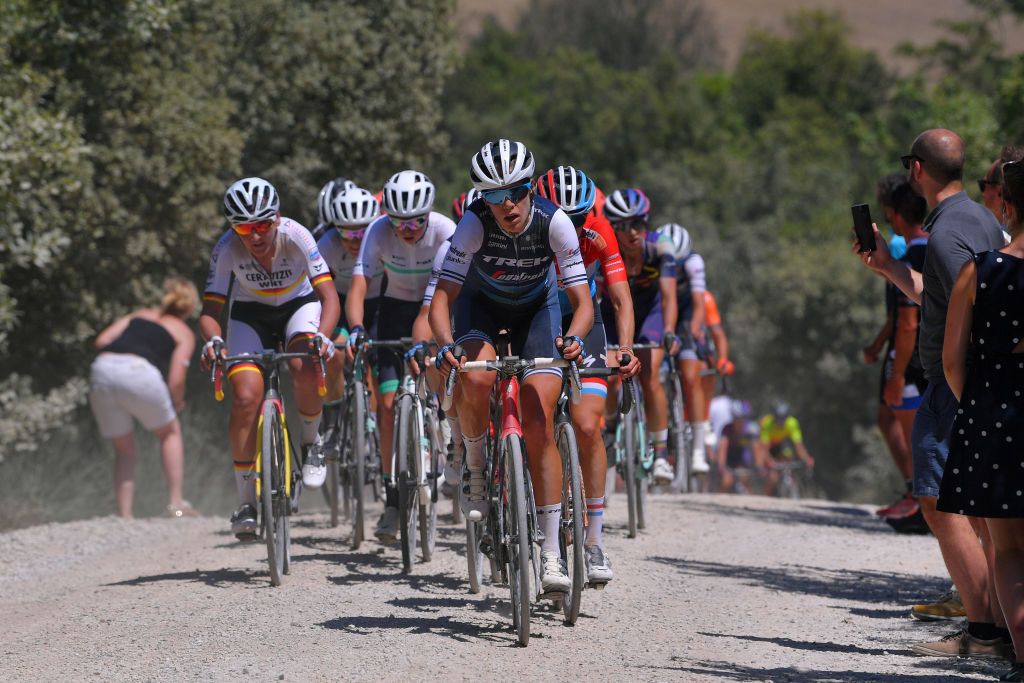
x=958, y=229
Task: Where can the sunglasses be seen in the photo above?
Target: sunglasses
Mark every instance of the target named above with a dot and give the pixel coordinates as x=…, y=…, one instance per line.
x=258, y=227
x=352, y=235
x=516, y=194
x=985, y=182
x=634, y=225
x=907, y=158
x=408, y=224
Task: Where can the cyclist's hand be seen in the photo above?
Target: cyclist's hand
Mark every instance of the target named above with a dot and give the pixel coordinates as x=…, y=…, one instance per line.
x=321, y=345
x=211, y=350
x=697, y=331
x=356, y=338
x=448, y=357
x=725, y=366
x=571, y=347
x=630, y=368
x=671, y=343
x=417, y=350
x=877, y=260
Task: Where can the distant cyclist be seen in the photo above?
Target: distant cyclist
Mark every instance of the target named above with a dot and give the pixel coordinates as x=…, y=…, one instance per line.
x=739, y=449
x=780, y=433
x=324, y=205
x=460, y=203
x=499, y=274
x=281, y=294
x=404, y=243
x=651, y=273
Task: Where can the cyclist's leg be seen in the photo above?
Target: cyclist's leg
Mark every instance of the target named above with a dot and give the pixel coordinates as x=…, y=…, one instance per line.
x=246, y=396
x=651, y=329
x=302, y=325
x=696, y=408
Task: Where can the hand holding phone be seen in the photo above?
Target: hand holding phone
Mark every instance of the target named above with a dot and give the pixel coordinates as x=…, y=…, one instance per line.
x=863, y=227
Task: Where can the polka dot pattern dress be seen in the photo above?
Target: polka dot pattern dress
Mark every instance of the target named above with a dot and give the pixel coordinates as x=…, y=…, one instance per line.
x=984, y=474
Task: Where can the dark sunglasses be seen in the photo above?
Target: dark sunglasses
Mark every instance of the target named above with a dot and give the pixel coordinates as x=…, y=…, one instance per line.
x=985, y=182
x=516, y=194
x=633, y=225
x=907, y=158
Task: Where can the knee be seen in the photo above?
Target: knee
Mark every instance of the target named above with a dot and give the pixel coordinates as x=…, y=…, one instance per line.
x=476, y=385
x=247, y=398
x=588, y=427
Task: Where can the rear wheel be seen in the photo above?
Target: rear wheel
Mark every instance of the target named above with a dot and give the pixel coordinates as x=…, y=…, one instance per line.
x=428, y=492
x=629, y=475
x=517, y=538
x=357, y=463
x=273, y=498
x=474, y=557
x=407, y=445
x=677, y=436
x=571, y=536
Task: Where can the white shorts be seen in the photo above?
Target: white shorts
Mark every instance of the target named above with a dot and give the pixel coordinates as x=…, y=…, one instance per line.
x=123, y=386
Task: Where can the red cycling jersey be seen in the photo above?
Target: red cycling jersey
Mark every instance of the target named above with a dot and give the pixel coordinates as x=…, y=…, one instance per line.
x=598, y=244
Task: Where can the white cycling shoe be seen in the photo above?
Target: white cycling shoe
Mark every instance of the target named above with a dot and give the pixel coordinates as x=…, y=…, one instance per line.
x=699, y=463
x=474, y=495
x=599, y=567
x=314, y=468
x=554, y=575
x=663, y=471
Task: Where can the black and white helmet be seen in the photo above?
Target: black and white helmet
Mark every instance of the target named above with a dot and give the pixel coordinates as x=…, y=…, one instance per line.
x=681, y=244
x=501, y=163
x=327, y=194
x=249, y=200
x=628, y=203
x=408, y=194
x=354, y=207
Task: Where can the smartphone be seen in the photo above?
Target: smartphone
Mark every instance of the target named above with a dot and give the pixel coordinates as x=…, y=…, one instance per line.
x=862, y=226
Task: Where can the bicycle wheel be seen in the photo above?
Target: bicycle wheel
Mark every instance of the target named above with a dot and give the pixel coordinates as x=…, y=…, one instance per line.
x=677, y=435
x=517, y=538
x=407, y=445
x=474, y=557
x=573, y=508
x=629, y=475
x=357, y=463
x=273, y=499
x=428, y=493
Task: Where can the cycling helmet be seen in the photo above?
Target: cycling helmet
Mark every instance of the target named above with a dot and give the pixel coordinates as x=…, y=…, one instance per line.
x=780, y=409
x=628, y=203
x=740, y=409
x=499, y=164
x=354, y=207
x=249, y=200
x=569, y=188
x=408, y=194
x=327, y=194
x=681, y=243
x=460, y=203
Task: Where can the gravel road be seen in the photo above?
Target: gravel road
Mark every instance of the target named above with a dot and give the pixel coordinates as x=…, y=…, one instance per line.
x=717, y=588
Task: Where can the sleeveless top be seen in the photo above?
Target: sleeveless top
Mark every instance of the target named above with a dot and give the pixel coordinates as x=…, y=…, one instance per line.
x=146, y=339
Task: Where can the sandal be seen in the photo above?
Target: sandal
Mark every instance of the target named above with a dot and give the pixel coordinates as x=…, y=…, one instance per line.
x=185, y=509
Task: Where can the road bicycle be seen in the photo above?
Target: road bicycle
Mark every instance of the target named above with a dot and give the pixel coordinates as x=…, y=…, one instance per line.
x=789, y=472
x=633, y=455
x=278, y=468
x=511, y=528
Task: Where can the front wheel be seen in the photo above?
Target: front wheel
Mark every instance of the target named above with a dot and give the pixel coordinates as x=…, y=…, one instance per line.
x=517, y=538
x=407, y=446
x=474, y=556
x=272, y=495
x=629, y=474
x=571, y=537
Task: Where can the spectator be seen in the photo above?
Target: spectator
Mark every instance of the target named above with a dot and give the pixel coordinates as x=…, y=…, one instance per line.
x=958, y=228
x=140, y=373
x=982, y=476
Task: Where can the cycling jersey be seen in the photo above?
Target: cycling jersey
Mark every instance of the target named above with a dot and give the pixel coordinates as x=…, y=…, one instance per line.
x=435, y=273
x=600, y=252
x=296, y=268
x=408, y=266
x=690, y=279
x=774, y=435
x=514, y=270
x=342, y=264
x=742, y=435
x=656, y=262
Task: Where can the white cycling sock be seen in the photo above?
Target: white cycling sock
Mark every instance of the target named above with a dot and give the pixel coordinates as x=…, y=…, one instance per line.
x=475, y=455
x=457, y=440
x=549, y=519
x=245, y=482
x=698, y=429
x=595, y=520
x=310, y=427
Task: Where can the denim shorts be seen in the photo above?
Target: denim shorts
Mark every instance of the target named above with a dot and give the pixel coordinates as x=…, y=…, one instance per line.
x=930, y=437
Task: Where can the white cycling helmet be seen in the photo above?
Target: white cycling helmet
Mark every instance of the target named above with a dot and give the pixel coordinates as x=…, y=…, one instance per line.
x=681, y=244
x=354, y=207
x=628, y=203
x=499, y=164
x=249, y=200
x=327, y=194
x=408, y=194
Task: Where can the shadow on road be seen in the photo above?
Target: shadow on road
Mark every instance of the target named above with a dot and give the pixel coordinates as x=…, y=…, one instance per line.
x=814, y=646
x=740, y=672
x=461, y=631
x=817, y=514
x=840, y=584
x=217, y=578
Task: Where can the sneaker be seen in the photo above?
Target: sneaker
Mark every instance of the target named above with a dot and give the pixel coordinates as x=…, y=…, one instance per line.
x=243, y=522
x=473, y=501
x=963, y=644
x=904, y=507
x=387, y=526
x=599, y=567
x=699, y=462
x=554, y=576
x=947, y=607
x=182, y=509
x=663, y=471
x=314, y=468
x=1014, y=674
x=911, y=524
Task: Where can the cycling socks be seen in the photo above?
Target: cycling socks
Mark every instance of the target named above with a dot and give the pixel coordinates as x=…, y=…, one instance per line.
x=660, y=439
x=699, y=458
x=595, y=520
x=310, y=426
x=475, y=455
x=549, y=519
x=457, y=438
x=245, y=482
x=390, y=494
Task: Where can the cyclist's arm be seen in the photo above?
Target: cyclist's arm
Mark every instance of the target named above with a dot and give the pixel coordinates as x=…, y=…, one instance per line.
x=330, y=307
x=959, y=319
x=439, y=314
x=669, y=311
x=582, y=311
x=354, y=300
x=694, y=269
x=721, y=343
x=421, y=326
x=622, y=302
x=565, y=244
x=218, y=284
x=801, y=451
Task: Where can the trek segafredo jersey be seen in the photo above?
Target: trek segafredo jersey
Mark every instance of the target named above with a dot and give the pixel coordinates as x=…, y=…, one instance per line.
x=342, y=264
x=408, y=266
x=296, y=269
x=514, y=269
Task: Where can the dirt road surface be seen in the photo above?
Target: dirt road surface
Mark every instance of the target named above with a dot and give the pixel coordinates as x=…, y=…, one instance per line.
x=717, y=588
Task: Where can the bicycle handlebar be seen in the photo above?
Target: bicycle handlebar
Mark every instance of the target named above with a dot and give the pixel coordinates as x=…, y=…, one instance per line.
x=265, y=359
x=512, y=365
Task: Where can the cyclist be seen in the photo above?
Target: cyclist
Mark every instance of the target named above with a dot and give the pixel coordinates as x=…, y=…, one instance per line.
x=497, y=275
x=572, y=191
x=324, y=204
x=716, y=359
x=739, y=449
x=781, y=435
x=403, y=242
x=690, y=327
x=651, y=273
x=460, y=203
x=281, y=294
x=351, y=211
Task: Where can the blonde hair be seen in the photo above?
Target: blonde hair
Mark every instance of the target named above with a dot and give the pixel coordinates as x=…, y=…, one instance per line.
x=180, y=297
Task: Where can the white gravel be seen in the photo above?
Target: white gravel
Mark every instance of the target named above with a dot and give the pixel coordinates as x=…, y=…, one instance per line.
x=717, y=588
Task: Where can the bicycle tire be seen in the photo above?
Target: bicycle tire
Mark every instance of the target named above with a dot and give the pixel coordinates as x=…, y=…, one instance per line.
x=407, y=445
x=474, y=556
x=629, y=462
x=677, y=435
x=357, y=464
x=345, y=492
x=517, y=538
x=571, y=532
x=428, y=507
x=333, y=492
x=271, y=485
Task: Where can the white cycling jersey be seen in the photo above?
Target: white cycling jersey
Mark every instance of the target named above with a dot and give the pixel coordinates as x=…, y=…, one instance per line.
x=296, y=268
x=435, y=273
x=342, y=264
x=408, y=265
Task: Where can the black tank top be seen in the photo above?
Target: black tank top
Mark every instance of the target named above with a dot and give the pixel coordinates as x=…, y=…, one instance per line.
x=147, y=339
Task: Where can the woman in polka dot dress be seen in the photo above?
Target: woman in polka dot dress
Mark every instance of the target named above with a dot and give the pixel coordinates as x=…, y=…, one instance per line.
x=984, y=475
